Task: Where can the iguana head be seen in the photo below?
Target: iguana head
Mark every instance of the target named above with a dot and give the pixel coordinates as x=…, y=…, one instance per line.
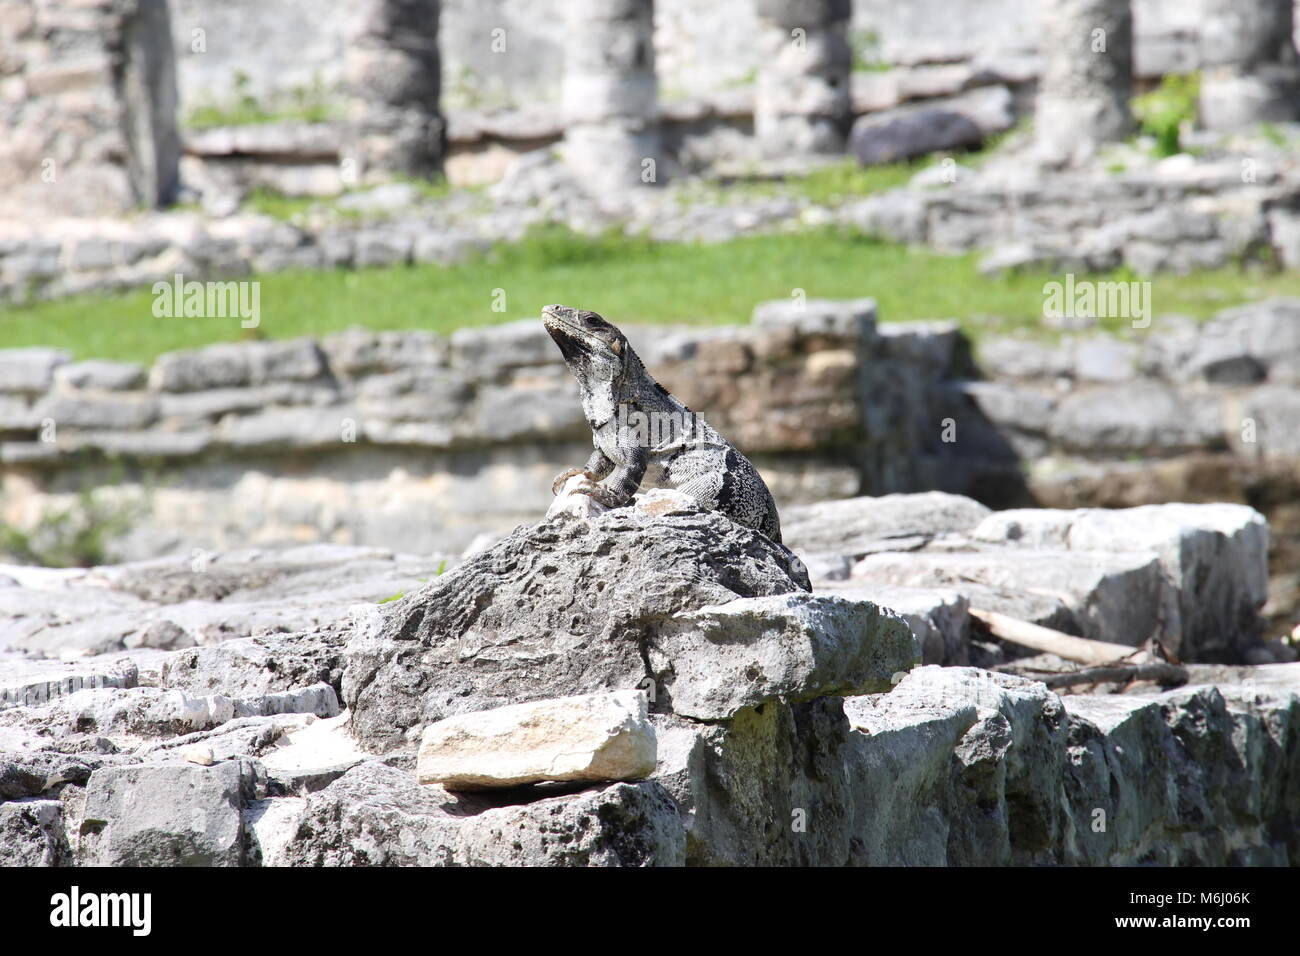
x=596, y=352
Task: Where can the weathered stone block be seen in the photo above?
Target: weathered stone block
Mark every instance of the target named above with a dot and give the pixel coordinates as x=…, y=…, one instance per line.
x=593, y=737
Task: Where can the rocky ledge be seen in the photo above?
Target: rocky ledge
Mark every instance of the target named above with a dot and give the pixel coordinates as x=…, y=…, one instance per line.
x=647, y=686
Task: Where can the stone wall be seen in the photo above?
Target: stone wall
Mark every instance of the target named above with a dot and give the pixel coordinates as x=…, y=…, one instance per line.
x=87, y=107
x=422, y=442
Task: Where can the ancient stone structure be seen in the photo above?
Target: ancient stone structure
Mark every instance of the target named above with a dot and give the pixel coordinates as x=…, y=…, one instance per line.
x=802, y=98
x=1087, y=77
x=459, y=436
x=611, y=136
x=87, y=107
x=1248, y=63
x=765, y=702
x=392, y=77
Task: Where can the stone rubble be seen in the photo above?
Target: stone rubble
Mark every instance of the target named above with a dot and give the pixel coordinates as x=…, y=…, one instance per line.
x=786, y=727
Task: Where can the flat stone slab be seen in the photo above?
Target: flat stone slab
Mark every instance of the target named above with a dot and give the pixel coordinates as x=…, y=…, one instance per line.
x=31, y=682
x=592, y=737
x=715, y=661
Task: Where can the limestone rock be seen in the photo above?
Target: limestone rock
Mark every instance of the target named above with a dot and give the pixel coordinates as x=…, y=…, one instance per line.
x=375, y=815
x=554, y=610
x=714, y=661
x=594, y=737
x=32, y=833
x=165, y=815
x=859, y=526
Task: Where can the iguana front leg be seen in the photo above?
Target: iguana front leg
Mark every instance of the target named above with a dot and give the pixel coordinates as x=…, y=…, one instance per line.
x=597, y=467
x=623, y=483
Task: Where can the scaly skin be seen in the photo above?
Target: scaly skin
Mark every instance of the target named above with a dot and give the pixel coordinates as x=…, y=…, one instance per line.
x=643, y=436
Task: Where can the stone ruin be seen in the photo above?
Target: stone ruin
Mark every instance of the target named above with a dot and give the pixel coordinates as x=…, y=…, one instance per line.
x=89, y=115
x=92, y=89
x=711, y=709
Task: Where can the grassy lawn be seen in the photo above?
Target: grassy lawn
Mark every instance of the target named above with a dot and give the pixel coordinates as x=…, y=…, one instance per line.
x=628, y=280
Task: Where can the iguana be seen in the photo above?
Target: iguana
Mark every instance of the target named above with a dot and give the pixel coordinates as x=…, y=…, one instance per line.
x=643, y=436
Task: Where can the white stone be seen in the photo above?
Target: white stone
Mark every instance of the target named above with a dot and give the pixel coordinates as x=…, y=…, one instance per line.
x=200, y=754
x=590, y=737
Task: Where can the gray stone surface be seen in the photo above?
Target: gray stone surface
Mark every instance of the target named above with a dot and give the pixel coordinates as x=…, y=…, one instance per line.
x=713, y=661
x=32, y=833
x=546, y=594
x=1087, y=78
x=876, y=141
x=860, y=526
x=375, y=815
x=1141, y=417
x=1120, y=596
x=165, y=815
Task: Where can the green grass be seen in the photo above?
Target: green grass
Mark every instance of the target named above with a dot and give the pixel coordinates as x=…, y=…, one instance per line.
x=629, y=280
x=308, y=104
x=1163, y=112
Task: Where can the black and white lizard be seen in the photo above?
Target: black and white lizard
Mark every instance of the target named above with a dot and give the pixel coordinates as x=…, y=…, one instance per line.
x=643, y=436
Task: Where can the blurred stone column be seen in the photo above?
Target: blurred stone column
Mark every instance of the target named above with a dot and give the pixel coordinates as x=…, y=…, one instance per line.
x=611, y=110
x=1248, y=63
x=148, y=88
x=393, y=78
x=88, y=107
x=803, y=102
x=1087, y=78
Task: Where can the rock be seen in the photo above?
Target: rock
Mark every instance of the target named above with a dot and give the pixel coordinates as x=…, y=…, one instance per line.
x=1274, y=410
x=29, y=370
x=1011, y=406
x=292, y=428
x=1103, y=359
x=99, y=375
x=713, y=661
x=237, y=365
x=359, y=352
x=937, y=616
x=859, y=526
x=838, y=318
x=198, y=754
x=1045, y=528
x=495, y=348
x=553, y=610
x=1141, y=417
x=1015, y=358
x=270, y=825
x=32, y=774
x=875, y=141
x=165, y=815
x=116, y=412
x=161, y=634
x=311, y=757
x=1120, y=597
x=28, y=683
x=376, y=815
x=32, y=834
x=1216, y=555
x=621, y=825
x=128, y=716
x=594, y=737
x=258, y=665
